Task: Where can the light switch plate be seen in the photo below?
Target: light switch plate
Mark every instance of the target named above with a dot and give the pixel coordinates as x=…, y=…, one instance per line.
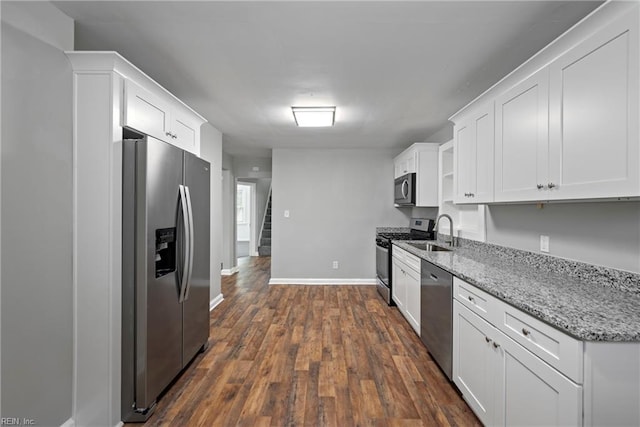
x=544, y=243
x=286, y=213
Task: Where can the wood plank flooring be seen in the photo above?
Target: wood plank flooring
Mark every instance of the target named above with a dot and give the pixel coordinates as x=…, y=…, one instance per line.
x=309, y=356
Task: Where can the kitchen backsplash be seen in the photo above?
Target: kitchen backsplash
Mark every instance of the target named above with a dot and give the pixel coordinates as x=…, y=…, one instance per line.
x=590, y=273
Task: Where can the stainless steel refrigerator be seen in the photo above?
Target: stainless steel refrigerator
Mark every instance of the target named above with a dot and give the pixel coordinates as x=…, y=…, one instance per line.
x=165, y=292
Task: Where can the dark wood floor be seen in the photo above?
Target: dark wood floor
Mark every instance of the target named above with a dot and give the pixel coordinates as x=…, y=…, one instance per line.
x=309, y=355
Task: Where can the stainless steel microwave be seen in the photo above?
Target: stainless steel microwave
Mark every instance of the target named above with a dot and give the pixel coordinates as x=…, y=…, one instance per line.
x=405, y=190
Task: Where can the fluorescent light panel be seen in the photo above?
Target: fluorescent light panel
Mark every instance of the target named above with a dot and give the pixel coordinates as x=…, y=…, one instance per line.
x=314, y=116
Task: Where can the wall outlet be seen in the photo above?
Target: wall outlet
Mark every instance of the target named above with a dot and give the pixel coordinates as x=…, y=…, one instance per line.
x=544, y=243
x=335, y=265
x=286, y=213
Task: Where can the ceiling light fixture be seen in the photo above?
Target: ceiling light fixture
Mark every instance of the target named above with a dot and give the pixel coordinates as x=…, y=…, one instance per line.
x=314, y=116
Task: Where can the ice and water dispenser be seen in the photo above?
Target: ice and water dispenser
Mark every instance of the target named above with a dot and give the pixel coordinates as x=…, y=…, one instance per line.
x=165, y=251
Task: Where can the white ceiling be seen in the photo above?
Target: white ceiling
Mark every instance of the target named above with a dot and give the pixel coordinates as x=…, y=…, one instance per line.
x=395, y=70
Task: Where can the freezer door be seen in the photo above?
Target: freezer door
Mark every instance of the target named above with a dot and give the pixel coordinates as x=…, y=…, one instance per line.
x=195, y=312
x=158, y=310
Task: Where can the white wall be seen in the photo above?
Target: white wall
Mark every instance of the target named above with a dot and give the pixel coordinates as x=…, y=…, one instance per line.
x=228, y=214
x=37, y=303
x=336, y=199
x=211, y=150
x=601, y=233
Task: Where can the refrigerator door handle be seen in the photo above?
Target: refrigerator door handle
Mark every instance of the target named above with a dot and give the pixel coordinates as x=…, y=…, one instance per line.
x=184, y=279
x=190, y=242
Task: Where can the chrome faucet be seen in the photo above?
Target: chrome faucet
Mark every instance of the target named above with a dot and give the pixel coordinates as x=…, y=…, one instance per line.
x=452, y=241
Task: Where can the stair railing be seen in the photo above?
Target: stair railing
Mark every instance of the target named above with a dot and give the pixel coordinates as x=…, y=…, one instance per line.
x=264, y=217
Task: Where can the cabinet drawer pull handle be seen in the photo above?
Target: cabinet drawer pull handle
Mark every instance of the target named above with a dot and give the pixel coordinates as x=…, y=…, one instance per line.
x=551, y=185
x=472, y=195
x=487, y=339
x=496, y=345
x=472, y=299
x=540, y=186
x=526, y=332
x=174, y=136
x=168, y=133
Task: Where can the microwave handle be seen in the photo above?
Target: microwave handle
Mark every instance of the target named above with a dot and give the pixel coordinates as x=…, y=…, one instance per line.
x=405, y=188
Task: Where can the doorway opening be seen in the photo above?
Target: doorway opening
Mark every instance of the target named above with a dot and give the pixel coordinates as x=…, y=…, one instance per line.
x=246, y=219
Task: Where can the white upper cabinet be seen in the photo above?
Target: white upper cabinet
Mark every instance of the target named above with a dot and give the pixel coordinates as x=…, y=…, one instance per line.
x=420, y=158
x=566, y=122
x=154, y=115
x=145, y=112
x=474, y=145
x=522, y=140
x=593, y=146
x=405, y=163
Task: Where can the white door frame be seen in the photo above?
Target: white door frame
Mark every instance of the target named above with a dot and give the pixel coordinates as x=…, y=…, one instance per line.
x=253, y=239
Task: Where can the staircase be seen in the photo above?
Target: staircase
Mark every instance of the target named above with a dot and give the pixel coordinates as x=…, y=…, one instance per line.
x=264, y=249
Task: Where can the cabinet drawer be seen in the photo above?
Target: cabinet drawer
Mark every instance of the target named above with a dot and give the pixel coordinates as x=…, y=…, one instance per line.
x=476, y=300
x=411, y=260
x=558, y=349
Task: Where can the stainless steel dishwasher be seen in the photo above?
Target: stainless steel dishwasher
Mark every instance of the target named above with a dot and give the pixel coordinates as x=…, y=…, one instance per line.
x=436, y=314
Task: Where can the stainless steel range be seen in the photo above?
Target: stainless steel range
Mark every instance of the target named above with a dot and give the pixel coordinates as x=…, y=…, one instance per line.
x=420, y=229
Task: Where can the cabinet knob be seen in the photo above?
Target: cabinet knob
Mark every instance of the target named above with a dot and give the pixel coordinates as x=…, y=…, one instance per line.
x=526, y=332
x=551, y=185
x=174, y=136
x=168, y=133
x=472, y=195
x=495, y=345
x=487, y=339
x=470, y=298
x=540, y=186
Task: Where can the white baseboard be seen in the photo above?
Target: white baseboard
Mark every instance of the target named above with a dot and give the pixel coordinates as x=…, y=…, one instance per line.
x=279, y=281
x=214, y=302
x=71, y=423
x=229, y=271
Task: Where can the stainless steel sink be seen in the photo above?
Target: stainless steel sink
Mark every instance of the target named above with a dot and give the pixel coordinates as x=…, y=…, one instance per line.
x=430, y=247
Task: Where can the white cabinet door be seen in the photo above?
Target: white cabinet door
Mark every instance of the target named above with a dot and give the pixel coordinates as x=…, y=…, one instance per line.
x=398, y=284
x=474, y=362
x=146, y=112
x=594, y=147
x=413, y=298
x=465, y=161
x=484, y=145
x=186, y=131
x=474, y=153
x=521, y=140
x=405, y=163
x=531, y=393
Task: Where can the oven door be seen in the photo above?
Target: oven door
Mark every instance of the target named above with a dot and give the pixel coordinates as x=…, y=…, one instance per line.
x=382, y=264
x=383, y=268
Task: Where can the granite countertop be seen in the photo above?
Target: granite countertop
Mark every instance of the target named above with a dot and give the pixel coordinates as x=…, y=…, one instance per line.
x=589, y=304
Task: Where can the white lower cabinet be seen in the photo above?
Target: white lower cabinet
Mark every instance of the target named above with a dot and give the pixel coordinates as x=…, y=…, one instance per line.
x=515, y=370
x=405, y=288
x=531, y=393
x=474, y=362
x=504, y=383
